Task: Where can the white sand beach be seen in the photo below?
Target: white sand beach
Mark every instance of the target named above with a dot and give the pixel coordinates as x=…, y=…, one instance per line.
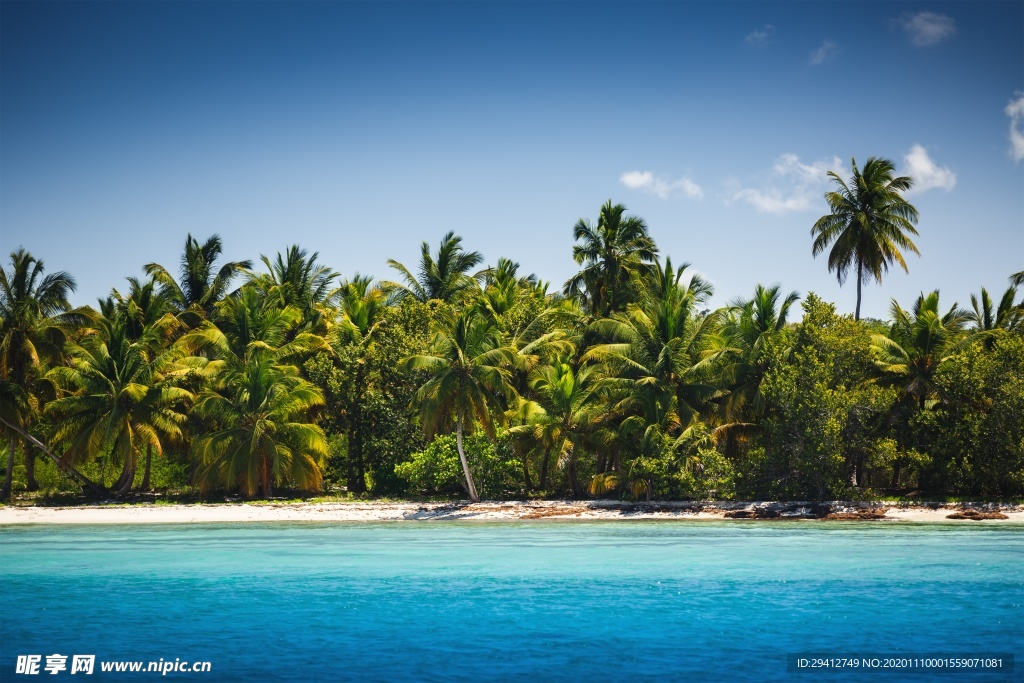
x=103, y=513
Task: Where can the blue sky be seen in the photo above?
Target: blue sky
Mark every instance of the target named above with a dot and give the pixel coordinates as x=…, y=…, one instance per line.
x=360, y=129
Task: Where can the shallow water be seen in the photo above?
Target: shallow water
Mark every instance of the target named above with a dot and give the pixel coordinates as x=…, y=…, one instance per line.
x=544, y=601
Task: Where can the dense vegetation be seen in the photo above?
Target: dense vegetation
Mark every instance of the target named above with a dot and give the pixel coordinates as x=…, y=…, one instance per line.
x=458, y=378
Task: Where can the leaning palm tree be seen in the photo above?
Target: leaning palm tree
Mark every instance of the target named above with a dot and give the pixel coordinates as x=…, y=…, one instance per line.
x=616, y=255
x=867, y=225
x=444, y=278
x=917, y=345
x=118, y=395
x=201, y=284
x=469, y=381
x=265, y=434
x=35, y=318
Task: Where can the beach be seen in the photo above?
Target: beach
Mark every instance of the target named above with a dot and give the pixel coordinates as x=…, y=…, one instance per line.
x=103, y=513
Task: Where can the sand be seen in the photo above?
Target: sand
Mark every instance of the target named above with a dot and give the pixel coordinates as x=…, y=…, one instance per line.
x=112, y=513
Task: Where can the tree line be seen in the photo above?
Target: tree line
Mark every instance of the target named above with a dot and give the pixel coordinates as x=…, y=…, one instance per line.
x=457, y=378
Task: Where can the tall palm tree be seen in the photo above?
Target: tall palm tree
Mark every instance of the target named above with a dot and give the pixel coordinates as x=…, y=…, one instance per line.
x=918, y=343
x=445, y=278
x=201, y=284
x=35, y=318
x=469, y=383
x=868, y=223
x=616, y=255
x=362, y=310
x=265, y=433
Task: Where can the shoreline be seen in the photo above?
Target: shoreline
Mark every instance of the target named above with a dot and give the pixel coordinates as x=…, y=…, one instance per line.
x=199, y=513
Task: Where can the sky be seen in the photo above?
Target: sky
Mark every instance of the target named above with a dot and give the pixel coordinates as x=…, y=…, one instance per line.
x=358, y=130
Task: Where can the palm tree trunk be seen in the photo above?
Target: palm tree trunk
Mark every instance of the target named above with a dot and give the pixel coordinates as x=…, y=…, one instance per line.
x=149, y=462
x=5, y=492
x=124, y=483
x=86, y=483
x=544, y=470
x=856, y=315
x=30, y=468
x=465, y=463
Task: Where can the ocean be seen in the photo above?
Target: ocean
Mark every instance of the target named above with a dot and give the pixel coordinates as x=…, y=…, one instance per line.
x=516, y=601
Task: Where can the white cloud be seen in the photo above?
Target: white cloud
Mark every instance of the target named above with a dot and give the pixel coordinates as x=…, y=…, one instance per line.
x=926, y=28
x=796, y=186
x=1015, y=110
x=927, y=175
x=664, y=188
x=827, y=50
x=761, y=35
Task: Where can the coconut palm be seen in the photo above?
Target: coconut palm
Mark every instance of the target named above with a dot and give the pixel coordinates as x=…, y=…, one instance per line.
x=469, y=383
x=567, y=414
x=296, y=279
x=444, y=278
x=918, y=343
x=35, y=318
x=658, y=356
x=748, y=330
x=616, y=255
x=1008, y=315
x=265, y=434
x=362, y=311
x=119, y=394
x=867, y=225
x=201, y=284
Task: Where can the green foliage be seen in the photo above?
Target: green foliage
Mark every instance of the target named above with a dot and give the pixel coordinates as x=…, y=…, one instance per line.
x=436, y=469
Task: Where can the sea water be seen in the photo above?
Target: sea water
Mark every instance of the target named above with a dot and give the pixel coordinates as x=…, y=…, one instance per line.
x=540, y=601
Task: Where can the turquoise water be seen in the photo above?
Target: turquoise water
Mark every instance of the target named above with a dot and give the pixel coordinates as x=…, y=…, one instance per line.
x=543, y=601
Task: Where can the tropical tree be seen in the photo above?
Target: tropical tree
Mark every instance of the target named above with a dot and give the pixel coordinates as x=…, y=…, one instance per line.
x=658, y=358
x=749, y=327
x=616, y=255
x=917, y=345
x=201, y=284
x=296, y=279
x=989, y=319
x=444, y=277
x=119, y=394
x=265, y=433
x=567, y=413
x=35, y=319
x=469, y=383
x=1017, y=279
x=867, y=225
x=362, y=311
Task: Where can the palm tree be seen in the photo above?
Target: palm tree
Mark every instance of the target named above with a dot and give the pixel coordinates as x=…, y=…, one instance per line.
x=919, y=342
x=469, y=383
x=1008, y=315
x=444, y=278
x=658, y=356
x=616, y=255
x=748, y=330
x=119, y=395
x=296, y=279
x=264, y=435
x=201, y=284
x=868, y=223
x=362, y=310
x=35, y=317
x=1017, y=279
x=567, y=414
